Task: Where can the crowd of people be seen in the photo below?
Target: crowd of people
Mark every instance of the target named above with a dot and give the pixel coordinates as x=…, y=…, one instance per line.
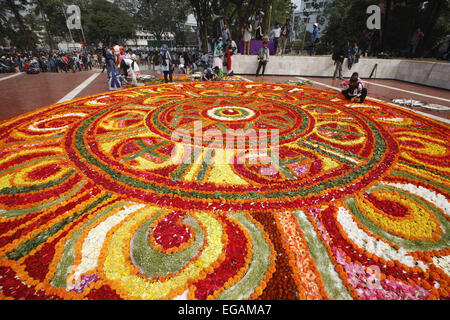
x=47, y=61
x=120, y=64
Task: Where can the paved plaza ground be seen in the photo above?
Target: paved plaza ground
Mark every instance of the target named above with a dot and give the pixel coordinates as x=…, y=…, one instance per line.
x=24, y=93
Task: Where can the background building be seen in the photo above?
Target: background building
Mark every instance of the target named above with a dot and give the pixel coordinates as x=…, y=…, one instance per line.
x=145, y=39
x=306, y=14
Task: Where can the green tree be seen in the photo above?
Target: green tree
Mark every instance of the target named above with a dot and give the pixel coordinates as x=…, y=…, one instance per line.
x=346, y=21
x=162, y=16
x=202, y=12
x=105, y=22
x=4, y=24
x=12, y=7
x=53, y=19
x=400, y=18
x=236, y=13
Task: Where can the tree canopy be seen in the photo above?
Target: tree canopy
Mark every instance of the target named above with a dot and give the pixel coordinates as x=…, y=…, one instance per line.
x=235, y=13
x=25, y=23
x=400, y=18
x=106, y=22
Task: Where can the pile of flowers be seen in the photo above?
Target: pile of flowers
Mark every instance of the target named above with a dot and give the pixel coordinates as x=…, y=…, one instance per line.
x=135, y=194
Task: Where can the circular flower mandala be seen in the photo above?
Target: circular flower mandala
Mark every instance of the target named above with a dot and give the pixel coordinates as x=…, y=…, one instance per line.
x=224, y=190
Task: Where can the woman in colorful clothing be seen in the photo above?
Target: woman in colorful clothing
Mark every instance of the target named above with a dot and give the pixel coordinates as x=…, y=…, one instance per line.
x=218, y=73
x=218, y=54
x=209, y=75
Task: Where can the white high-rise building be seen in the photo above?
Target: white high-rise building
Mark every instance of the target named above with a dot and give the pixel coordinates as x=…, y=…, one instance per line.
x=313, y=14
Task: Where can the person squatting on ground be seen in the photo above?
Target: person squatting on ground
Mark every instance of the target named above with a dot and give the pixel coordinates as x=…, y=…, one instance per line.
x=166, y=63
x=354, y=89
x=116, y=81
x=129, y=66
x=208, y=75
x=263, y=58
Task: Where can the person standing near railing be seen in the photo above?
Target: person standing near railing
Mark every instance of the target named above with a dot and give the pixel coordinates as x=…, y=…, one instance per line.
x=314, y=39
x=338, y=58
x=415, y=39
x=276, y=32
x=247, y=37
x=263, y=58
x=285, y=32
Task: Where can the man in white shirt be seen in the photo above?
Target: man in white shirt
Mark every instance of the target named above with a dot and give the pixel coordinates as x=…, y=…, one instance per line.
x=129, y=53
x=276, y=32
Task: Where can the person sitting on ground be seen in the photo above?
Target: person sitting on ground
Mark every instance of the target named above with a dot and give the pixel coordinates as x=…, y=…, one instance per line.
x=263, y=58
x=208, y=75
x=354, y=89
x=33, y=66
x=4, y=67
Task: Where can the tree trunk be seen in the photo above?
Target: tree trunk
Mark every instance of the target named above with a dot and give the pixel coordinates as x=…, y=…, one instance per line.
x=19, y=19
x=51, y=43
x=386, y=25
x=46, y=24
x=200, y=8
x=432, y=14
